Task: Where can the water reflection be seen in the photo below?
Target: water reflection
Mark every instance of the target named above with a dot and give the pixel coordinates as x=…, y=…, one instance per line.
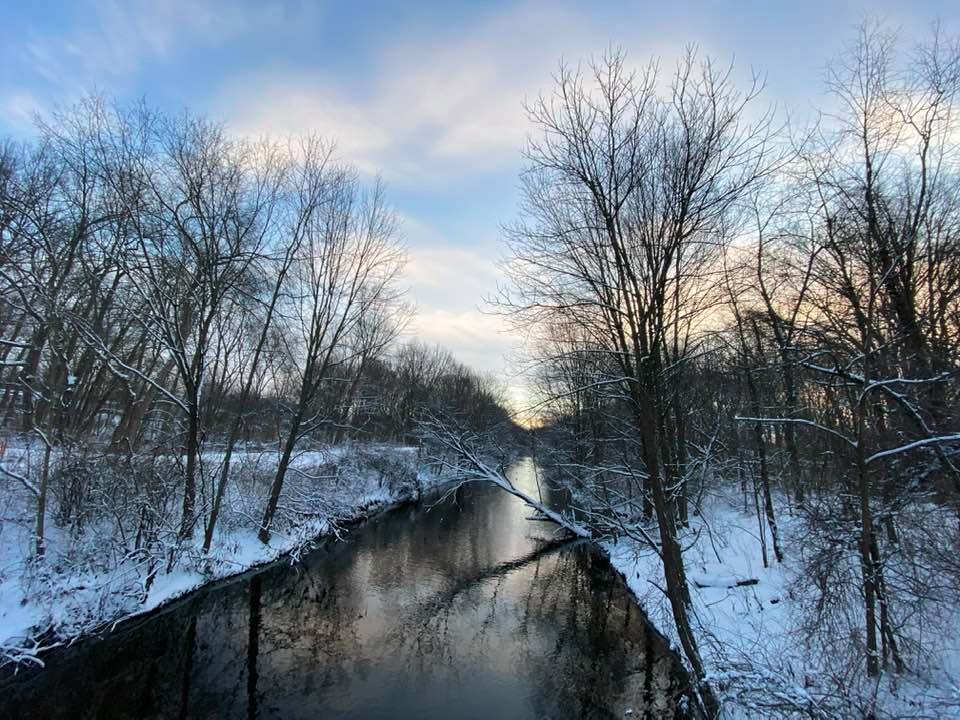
x=462, y=610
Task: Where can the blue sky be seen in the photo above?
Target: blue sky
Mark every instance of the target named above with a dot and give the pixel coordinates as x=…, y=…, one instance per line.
x=427, y=94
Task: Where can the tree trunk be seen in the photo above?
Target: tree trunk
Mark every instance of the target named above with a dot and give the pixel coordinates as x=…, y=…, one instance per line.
x=42, y=501
x=190, y=481
x=866, y=559
x=678, y=591
x=761, y=447
x=128, y=433
x=789, y=432
x=277, y=486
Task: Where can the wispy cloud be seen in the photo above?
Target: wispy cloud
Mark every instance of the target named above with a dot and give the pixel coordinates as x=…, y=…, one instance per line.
x=18, y=109
x=435, y=106
x=449, y=283
x=103, y=44
x=113, y=38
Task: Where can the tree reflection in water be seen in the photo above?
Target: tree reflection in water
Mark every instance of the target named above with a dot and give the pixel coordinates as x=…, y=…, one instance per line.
x=463, y=609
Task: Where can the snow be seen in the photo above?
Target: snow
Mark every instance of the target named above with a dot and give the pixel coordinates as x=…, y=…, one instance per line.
x=752, y=621
x=760, y=658
x=79, y=587
x=173, y=585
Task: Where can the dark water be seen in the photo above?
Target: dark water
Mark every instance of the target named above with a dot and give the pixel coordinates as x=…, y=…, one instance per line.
x=461, y=610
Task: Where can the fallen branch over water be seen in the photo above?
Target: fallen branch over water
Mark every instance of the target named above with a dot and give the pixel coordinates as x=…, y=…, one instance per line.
x=472, y=467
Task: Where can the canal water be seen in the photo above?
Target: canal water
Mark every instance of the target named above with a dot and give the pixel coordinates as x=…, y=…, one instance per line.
x=461, y=607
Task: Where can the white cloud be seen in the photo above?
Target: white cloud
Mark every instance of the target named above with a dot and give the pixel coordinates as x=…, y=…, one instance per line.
x=438, y=105
x=293, y=106
x=476, y=338
x=432, y=108
x=17, y=109
x=447, y=268
x=116, y=38
x=448, y=283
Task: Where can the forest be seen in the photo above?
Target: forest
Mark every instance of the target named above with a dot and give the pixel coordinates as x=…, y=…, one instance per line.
x=725, y=312
x=187, y=319
x=741, y=339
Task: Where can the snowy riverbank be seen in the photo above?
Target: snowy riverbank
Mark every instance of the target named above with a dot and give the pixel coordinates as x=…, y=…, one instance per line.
x=89, y=579
x=756, y=638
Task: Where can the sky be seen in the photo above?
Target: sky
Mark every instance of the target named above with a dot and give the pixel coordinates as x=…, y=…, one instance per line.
x=429, y=95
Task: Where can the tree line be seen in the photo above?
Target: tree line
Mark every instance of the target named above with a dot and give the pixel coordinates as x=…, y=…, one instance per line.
x=170, y=290
x=715, y=299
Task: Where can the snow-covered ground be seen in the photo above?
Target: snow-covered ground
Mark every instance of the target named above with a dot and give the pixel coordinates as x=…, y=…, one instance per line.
x=756, y=639
x=86, y=582
x=753, y=621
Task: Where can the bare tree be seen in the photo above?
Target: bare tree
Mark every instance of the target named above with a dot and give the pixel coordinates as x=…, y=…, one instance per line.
x=345, y=273
x=628, y=199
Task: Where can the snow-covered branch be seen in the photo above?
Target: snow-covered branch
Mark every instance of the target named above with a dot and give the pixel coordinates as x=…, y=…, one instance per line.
x=22, y=479
x=798, y=421
x=462, y=446
x=925, y=442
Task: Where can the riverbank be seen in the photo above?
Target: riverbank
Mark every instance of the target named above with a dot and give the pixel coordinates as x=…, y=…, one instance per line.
x=89, y=579
x=458, y=606
x=754, y=627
